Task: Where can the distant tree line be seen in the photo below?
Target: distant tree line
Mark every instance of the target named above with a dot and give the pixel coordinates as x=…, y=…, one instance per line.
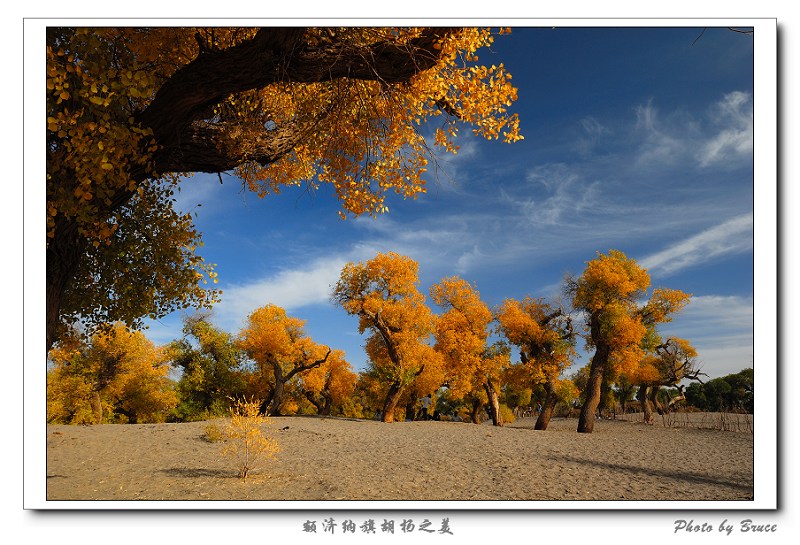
x=732, y=393
x=117, y=375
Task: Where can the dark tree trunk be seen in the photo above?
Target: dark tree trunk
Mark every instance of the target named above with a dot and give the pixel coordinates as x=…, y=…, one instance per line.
x=643, y=398
x=593, y=386
x=64, y=252
x=493, y=404
x=390, y=403
x=271, y=405
x=475, y=414
x=547, y=409
x=327, y=404
x=411, y=406
x=318, y=405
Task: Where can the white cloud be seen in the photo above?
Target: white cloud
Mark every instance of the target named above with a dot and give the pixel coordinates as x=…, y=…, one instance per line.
x=202, y=190
x=731, y=237
x=594, y=127
x=290, y=289
x=469, y=258
x=725, y=136
x=734, y=139
x=721, y=329
x=658, y=146
x=565, y=196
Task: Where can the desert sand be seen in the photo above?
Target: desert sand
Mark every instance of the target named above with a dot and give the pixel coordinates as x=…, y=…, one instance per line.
x=325, y=458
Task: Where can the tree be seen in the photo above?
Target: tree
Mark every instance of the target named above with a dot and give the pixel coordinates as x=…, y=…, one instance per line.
x=731, y=392
x=131, y=109
x=624, y=391
x=545, y=338
x=120, y=376
x=279, y=346
x=608, y=293
x=462, y=333
x=212, y=370
x=329, y=385
x=668, y=364
x=382, y=292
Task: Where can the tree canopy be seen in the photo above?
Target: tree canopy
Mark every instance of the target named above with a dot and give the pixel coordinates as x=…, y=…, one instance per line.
x=383, y=293
x=545, y=339
x=118, y=376
x=609, y=293
x=281, y=349
x=130, y=110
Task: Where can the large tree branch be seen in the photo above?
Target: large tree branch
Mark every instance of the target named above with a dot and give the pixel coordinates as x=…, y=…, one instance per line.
x=300, y=366
x=272, y=55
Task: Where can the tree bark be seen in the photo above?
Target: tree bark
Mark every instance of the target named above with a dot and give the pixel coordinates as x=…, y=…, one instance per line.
x=97, y=407
x=318, y=405
x=654, y=399
x=475, y=414
x=63, y=257
x=390, y=403
x=547, y=409
x=411, y=406
x=593, y=386
x=494, y=403
x=271, y=405
x=327, y=404
x=643, y=397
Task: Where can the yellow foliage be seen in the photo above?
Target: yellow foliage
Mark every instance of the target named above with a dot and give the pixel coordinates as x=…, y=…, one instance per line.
x=334, y=378
x=612, y=278
x=121, y=369
x=383, y=293
x=114, y=157
x=360, y=135
x=271, y=335
x=246, y=441
x=542, y=332
x=608, y=291
x=566, y=390
x=461, y=336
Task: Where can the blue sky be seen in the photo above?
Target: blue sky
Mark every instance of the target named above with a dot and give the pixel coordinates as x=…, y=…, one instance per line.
x=636, y=139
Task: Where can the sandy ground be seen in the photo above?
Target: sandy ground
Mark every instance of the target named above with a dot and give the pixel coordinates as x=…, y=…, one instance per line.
x=345, y=459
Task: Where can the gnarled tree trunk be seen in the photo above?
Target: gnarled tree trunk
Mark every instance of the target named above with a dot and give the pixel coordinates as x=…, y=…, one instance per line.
x=547, y=409
x=593, y=386
x=390, y=403
x=494, y=403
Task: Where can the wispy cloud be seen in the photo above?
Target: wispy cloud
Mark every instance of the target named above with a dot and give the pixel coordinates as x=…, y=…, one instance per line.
x=561, y=196
x=660, y=144
x=721, y=329
x=733, y=116
x=723, y=135
x=731, y=237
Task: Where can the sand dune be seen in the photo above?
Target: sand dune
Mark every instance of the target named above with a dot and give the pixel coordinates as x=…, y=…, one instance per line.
x=345, y=459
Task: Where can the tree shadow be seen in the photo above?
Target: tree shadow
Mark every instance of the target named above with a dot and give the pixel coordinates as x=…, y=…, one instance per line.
x=193, y=473
x=674, y=474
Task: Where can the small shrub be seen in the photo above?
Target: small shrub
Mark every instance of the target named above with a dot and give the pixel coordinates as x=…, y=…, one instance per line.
x=506, y=414
x=245, y=442
x=213, y=434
